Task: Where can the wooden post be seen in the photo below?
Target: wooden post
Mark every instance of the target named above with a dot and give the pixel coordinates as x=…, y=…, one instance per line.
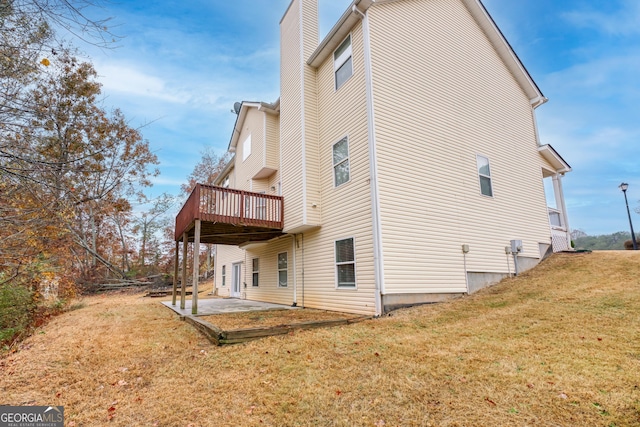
x=183, y=292
x=196, y=269
x=175, y=274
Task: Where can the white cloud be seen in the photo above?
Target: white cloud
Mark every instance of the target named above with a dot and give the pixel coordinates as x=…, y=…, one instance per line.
x=130, y=81
x=622, y=22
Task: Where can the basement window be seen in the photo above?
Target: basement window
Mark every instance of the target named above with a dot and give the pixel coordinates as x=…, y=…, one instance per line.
x=345, y=263
x=256, y=272
x=282, y=270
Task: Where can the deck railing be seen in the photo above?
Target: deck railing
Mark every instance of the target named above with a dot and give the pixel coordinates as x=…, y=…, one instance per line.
x=226, y=205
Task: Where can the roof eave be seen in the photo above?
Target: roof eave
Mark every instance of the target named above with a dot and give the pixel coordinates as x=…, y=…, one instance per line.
x=224, y=172
x=506, y=52
x=339, y=31
x=242, y=115
x=555, y=159
x=475, y=7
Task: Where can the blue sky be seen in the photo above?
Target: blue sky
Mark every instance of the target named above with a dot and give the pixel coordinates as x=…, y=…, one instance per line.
x=182, y=64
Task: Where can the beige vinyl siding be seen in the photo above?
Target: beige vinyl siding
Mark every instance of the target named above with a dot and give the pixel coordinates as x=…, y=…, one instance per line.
x=346, y=210
x=273, y=183
x=253, y=125
x=441, y=97
x=272, y=141
x=290, y=117
x=227, y=255
x=311, y=159
x=298, y=127
x=268, y=289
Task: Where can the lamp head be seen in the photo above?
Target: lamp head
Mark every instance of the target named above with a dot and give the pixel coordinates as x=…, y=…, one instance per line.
x=623, y=186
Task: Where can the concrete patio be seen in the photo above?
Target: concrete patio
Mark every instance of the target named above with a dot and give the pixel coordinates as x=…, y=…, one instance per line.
x=211, y=306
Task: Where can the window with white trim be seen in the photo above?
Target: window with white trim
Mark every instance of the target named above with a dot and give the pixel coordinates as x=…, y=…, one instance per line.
x=343, y=62
x=345, y=263
x=224, y=275
x=256, y=272
x=484, y=174
x=341, y=161
x=225, y=182
x=282, y=270
x=246, y=148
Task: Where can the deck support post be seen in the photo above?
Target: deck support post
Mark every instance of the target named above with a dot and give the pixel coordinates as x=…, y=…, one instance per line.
x=175, y=274
x=183, y=290
x=196, y=268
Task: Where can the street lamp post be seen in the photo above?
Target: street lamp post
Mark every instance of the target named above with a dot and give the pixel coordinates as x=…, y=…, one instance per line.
x=624, y=187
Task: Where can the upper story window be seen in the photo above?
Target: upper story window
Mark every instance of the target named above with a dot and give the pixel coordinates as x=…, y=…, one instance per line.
x=225, y=182
x=484, y=173
x=341, y=161
x=246, y=148
x=343, y=62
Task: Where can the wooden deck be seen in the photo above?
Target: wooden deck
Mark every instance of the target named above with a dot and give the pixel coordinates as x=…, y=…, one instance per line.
x=230, y=217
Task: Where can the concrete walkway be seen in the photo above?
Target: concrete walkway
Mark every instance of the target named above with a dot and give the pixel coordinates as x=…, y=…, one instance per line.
x=210, y=306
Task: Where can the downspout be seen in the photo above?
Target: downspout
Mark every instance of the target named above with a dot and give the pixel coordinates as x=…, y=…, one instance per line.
x=295, y=272
x=302, y=238
x=243, y=290
x=373, y=167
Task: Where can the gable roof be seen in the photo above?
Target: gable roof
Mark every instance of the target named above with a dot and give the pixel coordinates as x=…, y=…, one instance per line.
x=477, y=10
x=269, y=108
x=554, y=159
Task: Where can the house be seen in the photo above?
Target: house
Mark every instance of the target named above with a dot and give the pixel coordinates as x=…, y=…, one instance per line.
x=399, y=163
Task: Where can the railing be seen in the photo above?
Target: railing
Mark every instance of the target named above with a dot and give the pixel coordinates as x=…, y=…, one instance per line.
x=229, y=206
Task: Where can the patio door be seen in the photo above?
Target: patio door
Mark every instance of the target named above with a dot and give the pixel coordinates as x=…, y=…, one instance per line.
x=236, y=281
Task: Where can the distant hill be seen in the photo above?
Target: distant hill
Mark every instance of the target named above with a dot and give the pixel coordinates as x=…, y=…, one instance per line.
x=605, y=242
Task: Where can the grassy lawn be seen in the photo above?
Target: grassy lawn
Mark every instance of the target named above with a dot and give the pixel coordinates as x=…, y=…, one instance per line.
x=558, y=346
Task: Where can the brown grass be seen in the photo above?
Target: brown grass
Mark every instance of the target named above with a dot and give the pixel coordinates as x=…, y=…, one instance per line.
x=559, y=346
x=260, y=319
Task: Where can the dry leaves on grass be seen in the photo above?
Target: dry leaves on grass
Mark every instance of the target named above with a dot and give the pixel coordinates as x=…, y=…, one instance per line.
x=525, y=352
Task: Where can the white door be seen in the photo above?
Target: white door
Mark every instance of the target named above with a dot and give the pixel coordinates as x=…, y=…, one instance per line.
x=236, y=280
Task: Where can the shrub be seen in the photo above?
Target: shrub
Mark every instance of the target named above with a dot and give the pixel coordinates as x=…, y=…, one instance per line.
x=16, y=311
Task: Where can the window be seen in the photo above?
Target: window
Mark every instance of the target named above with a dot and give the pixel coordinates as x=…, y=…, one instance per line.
x=484, y=172
x=282, y=270
x=345, y=263
x=341, y=161
x=343, y=62
x=225, y=182
x=224, y=275
x=246, y=148
x=256, y=271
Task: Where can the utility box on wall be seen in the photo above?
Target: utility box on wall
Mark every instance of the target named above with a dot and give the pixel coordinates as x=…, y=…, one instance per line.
x=516, y=246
